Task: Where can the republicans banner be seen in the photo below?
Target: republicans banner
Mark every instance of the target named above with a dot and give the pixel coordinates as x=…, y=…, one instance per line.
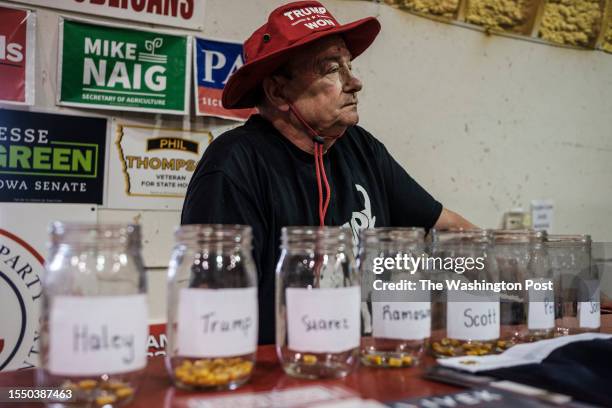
x=17, y=46
x=48, y=158
x=214, y=62
x=176, y=13
x=110, y=67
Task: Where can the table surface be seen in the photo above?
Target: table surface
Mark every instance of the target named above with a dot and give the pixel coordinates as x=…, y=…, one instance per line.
x=372, y=383
x=375, y=383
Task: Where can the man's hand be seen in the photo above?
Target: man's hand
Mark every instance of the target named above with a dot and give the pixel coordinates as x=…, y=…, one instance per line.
x=450, y=219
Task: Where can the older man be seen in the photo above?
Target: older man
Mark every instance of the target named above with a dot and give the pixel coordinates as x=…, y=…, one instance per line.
x=303, y=160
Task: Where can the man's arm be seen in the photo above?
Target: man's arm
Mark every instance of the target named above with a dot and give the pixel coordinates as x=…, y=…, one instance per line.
x=450, y=219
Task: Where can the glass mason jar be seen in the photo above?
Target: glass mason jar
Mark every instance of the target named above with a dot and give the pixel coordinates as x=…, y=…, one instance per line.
x=528, y=299
x=396, y=317
x=577, y=301
x=466, y=311
x=318, y=301
x=94, y=315
x=212, y=307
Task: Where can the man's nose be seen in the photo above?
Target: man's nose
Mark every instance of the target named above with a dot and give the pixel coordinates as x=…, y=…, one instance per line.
x=352, y=84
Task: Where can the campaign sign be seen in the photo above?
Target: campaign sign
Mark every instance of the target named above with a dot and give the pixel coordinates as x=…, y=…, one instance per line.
x=214, y=62
x=17, y=38
x=110, y=67
x=156, y=344
x=150, y=167
x=21, y=267
x=51, y=158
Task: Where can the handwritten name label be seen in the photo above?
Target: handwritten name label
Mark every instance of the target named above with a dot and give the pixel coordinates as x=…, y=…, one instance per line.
x=541, y=314
x=401, y=320
x=472, y=320
x=217, y=322
x=589, y=315
x=97, y=335
x=323, y=320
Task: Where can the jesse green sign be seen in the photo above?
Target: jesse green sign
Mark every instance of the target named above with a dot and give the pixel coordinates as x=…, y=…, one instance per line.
x=116, y=68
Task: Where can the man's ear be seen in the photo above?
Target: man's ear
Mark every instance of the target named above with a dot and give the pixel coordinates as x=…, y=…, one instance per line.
x=274, y=91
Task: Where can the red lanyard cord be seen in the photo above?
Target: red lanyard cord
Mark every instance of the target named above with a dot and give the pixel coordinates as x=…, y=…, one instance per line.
x=319, y=167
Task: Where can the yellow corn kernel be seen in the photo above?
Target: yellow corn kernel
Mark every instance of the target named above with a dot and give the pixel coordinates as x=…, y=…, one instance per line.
x=102, y=400
x=87, y=384
x=201, y=372
x=375, y=359
x=124, y=392
x=395, y=362
x=309, y=359
x=112, y=385
x=407, y=360
x=189, y=379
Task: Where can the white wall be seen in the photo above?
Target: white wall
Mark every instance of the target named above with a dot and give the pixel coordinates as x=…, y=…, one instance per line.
x=484, y=123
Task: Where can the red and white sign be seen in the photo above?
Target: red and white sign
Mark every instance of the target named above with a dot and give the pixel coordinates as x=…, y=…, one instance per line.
x=157, y=340
x=213, y=63
x=17, y=36
x=187, y=14
x=21, y=268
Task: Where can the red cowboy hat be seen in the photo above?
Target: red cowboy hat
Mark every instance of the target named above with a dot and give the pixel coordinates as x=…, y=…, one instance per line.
x=289, y=27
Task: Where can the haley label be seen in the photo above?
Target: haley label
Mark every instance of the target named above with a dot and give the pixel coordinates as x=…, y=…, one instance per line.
x=323, y=320
x=401, y=320
x=217, y=322
x=17, y=46
x=214, y=62
x=51, y=158
x=472, y=320
x=97, y=335
x=541, y=315
x=118, y=68
x=153, y=165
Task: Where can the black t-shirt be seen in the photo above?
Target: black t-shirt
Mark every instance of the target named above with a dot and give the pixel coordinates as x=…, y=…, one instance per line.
x=253, y=175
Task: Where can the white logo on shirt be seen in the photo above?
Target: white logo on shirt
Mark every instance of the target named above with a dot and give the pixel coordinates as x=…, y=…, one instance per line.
x=361, y=220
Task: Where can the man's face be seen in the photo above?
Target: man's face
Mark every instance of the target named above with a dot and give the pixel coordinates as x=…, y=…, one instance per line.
x=323, y=88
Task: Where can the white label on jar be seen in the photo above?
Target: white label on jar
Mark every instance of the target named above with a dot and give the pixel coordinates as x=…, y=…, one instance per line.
x=323, y=320
x=217, y=322
x=589, y=312
x=472, y=320
x=589, y=315
x=401, y=320
x=541, y=315
x=97, y=335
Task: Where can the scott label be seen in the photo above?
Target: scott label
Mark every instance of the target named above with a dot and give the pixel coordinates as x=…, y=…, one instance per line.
x=473, y=320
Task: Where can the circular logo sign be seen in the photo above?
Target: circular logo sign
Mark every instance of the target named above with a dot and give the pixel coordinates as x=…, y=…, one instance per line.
x=21, y=267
